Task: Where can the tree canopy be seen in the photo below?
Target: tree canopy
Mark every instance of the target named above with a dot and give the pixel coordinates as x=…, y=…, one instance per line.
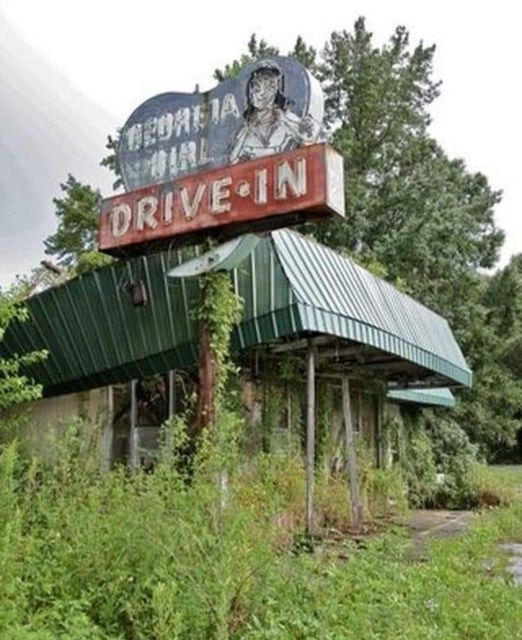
x=74, y=244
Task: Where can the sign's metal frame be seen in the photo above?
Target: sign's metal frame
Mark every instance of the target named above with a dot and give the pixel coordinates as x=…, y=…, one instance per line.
x=258, y=195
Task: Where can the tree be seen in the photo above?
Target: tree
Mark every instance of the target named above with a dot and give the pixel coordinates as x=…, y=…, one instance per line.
x=111, y=160
x=492, y=410
x=255, y=50
x=15, y=387
x=409, y=207
x=74, y=243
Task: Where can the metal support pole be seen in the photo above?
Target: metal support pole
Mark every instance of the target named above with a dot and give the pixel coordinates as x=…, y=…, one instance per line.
x=310, y=438
x=352, y=457
x=133, y=432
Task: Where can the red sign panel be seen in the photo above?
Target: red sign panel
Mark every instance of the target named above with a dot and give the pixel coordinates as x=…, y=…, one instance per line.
x=265, y=193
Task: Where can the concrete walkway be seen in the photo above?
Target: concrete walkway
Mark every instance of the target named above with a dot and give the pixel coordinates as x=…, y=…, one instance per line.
x=514, y=567
x=429, y=524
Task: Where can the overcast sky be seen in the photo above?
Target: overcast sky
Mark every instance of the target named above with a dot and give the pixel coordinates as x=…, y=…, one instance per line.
x=71, y=72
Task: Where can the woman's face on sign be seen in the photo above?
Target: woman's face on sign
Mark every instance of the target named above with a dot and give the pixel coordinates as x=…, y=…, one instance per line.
x=263, y=90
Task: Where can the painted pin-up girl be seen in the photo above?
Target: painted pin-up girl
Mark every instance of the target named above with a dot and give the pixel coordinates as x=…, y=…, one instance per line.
x=270, y=127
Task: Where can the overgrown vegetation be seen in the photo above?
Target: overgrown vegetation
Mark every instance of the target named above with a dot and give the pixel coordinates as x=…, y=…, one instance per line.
x=159, y=556
x=219, y=310
x=15, y=387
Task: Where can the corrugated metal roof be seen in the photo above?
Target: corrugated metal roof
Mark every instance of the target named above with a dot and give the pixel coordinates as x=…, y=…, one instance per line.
x=338, y=296
x=291, y=286
x=433, y=397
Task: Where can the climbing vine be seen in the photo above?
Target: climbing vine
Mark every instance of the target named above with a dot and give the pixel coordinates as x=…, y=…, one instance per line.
x=219, y=310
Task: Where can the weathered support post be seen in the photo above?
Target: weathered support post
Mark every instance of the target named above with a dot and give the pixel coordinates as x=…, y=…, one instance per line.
x=359, y=414
x=171, y=411
x=108, y=430
x=133, y=432
x=171, y=394
x=207, y=381
x=381, y=444
x=310, y=437
x=351, y=456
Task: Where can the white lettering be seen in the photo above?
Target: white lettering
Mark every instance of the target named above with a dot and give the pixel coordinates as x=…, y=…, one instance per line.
x=158, y=164
x=229, y=106
x=199, y=117
x=164, y=126
x=147, y=207
x=182, y=121
x=214, y=110
x=218, y=194
x=187, y=156
x=286, y=178
x=135, y=137
x=203, y=152
x=173, y=162
x=120, y=220
x=149, y=132
x=261, y=193
x=168, y=211
x=190, y=209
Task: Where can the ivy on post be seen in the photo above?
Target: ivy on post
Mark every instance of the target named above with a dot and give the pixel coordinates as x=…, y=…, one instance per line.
x=219, y=309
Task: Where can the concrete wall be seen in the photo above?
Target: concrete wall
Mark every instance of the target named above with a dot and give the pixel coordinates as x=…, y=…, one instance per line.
x=45, y=421
x=49, y=417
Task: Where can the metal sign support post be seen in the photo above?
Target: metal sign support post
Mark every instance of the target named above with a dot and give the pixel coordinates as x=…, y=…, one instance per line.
x=172, y=394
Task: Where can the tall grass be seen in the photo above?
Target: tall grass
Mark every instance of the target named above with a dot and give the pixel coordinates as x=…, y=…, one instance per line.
x=173, y=554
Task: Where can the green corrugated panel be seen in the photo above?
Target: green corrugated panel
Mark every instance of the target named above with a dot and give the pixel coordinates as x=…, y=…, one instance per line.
x=95, y=335
x=289, y=285
x=367, y=309
x=434, y=397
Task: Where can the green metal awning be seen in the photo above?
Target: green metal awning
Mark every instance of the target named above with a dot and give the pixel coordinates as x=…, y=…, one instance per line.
x=292, y=287
x=432, y=397
x=337, y=296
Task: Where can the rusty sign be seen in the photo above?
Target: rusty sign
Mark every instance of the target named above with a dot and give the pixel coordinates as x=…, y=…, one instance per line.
x=273, y=105
x=259, y=194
